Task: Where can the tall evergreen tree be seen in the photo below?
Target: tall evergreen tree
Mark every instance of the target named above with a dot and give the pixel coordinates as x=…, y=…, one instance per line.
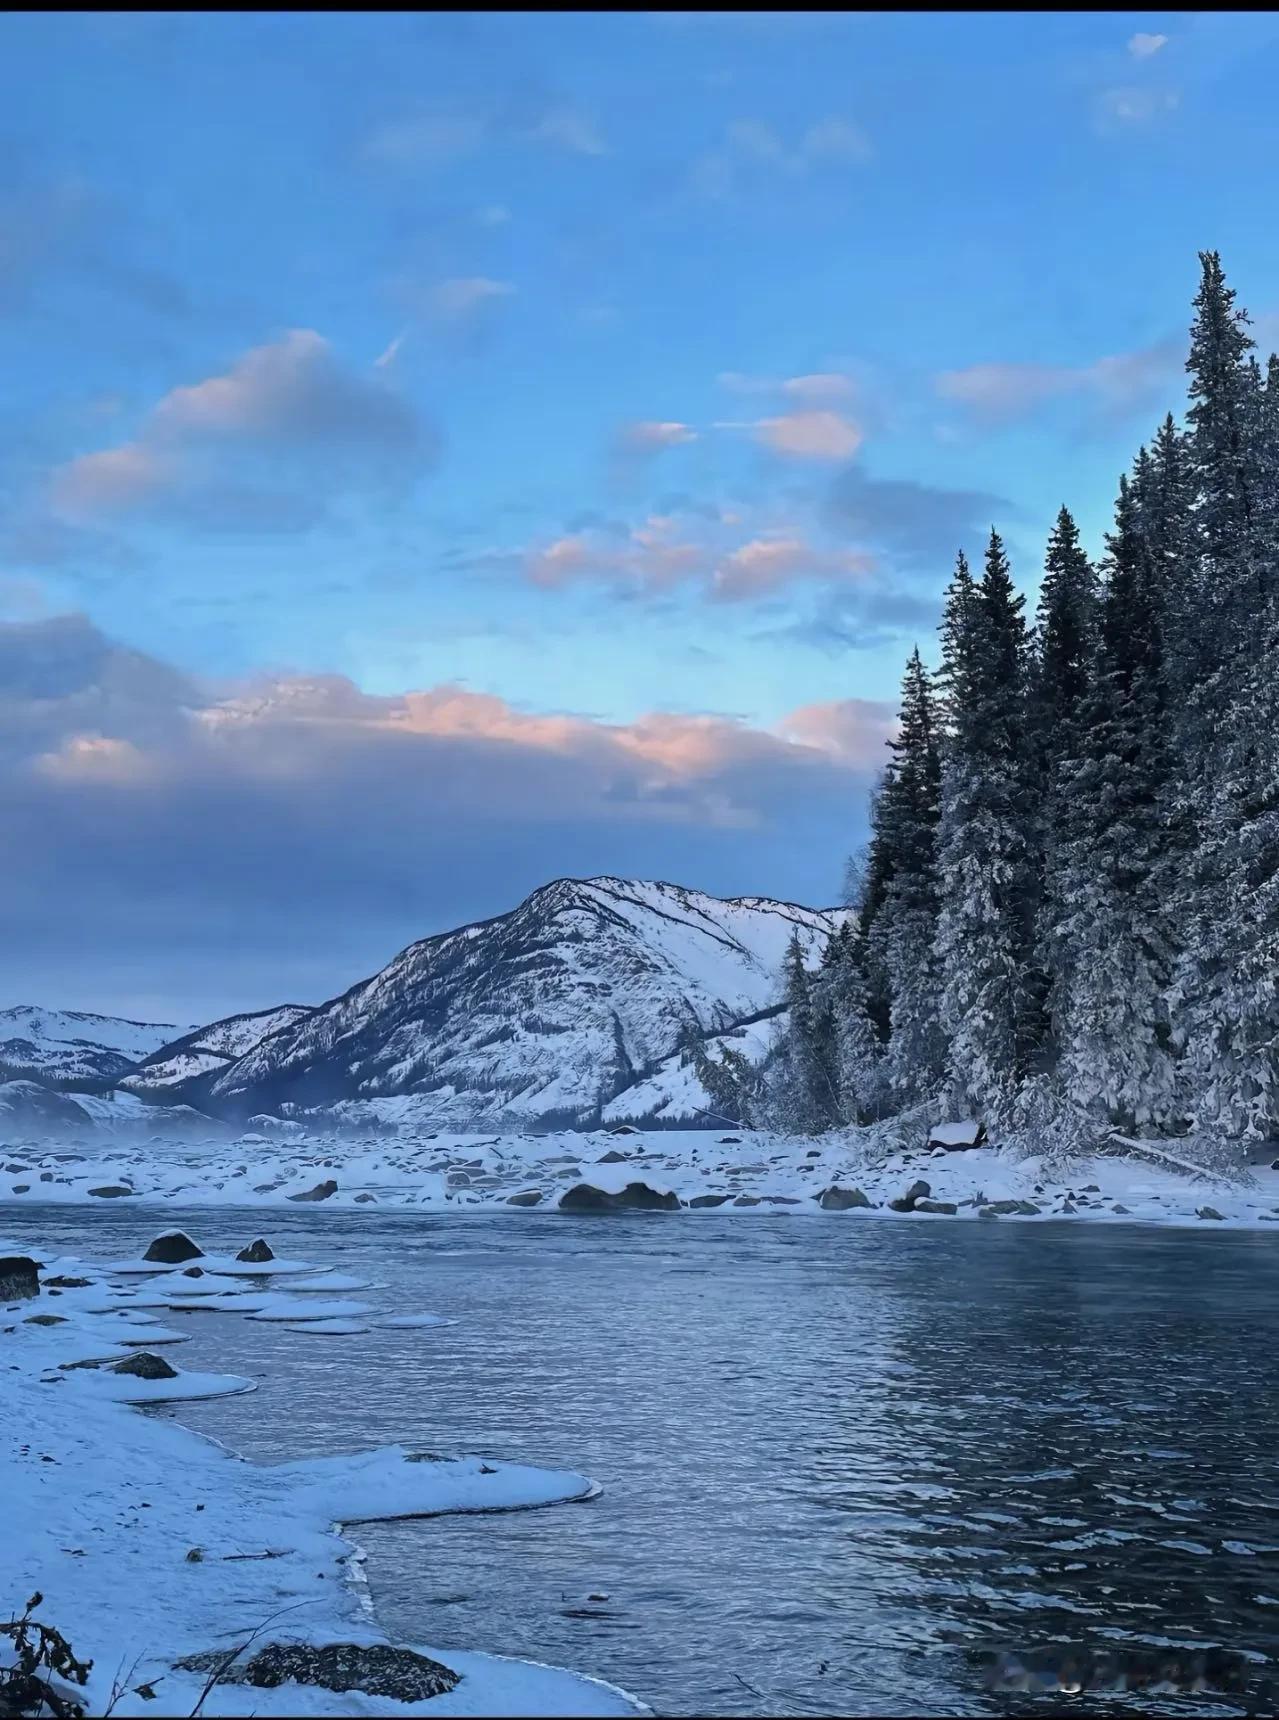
x=906, y=928
x=858, y=1055
x=1060, y=683
x=985, y=933
x=1116, y=1058
x=1223, y=420
x=806, y=1078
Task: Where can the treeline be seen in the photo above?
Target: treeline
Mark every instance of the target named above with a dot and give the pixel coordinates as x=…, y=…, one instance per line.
x=1071, y=891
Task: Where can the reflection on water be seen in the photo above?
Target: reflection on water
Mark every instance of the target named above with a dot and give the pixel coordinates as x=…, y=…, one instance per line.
x=849, y=1465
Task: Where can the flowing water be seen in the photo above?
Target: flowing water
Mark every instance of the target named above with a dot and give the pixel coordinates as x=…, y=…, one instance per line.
x=844, y=1460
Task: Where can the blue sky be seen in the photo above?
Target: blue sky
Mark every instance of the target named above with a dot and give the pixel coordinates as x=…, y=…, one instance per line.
x=607, y=370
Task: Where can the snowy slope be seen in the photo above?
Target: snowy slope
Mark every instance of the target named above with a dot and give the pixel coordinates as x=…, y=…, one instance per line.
x=672, y=1093
x=57, y=1046
x=544, y=1014
x=177, y=1069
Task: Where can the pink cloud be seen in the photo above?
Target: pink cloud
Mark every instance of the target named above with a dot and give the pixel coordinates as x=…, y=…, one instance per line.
x=111, y=481
x=817, y=435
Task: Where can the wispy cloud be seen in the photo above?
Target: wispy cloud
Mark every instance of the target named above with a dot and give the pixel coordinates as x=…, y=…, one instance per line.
x=263, y=445
x=813, y=435
x=1133, y=105
x=752, y=146
x=651, y=436
x=1004, y=393
x=437, y=139
x=704, y=551
x=1143, y=46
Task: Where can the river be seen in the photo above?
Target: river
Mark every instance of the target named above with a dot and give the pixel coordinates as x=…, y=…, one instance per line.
x=841, y=1458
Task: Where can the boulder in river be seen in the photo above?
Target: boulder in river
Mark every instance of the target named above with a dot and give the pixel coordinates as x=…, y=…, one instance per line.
x=708, y=1199
x=635, y=1197
x=256, y=1254
x=111, y=1191
x=19, y=1278
x=526, y=1197
x=837, y=1199
x=145, y=1365
x=1208, y=1212
x=906, y=1202
x=321, y=1191
x=172, y=1248
x=373, y=1669
x=942, y=1206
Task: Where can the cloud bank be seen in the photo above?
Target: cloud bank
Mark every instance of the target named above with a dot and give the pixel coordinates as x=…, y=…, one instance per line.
x=171, y=846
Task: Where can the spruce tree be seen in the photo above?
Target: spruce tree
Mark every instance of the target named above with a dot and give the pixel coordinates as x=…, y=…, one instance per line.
x=1060, y=683
x=1116, y=1059
x=985, y=934
x=906, y=928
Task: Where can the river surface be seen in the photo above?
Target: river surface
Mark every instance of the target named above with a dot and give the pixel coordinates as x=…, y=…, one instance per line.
x=840, y=1458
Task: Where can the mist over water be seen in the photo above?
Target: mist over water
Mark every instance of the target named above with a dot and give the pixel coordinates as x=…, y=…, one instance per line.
x=839, y=1460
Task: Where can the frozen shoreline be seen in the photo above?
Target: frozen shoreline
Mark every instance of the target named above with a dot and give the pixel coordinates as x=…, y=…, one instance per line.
x=729, y=1172
x=149, y=1542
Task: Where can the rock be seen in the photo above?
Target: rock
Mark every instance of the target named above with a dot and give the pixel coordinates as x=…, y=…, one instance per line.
x=635, y=1197
x=837, y=1199
x=612, y=1157
x=813, y=1153
x=45, y=1320
x=1117, y=1208
x=1091, y=1188
x=906, y=1202
x=1274, y=1164
x=373, y=1669
x=709, y=1199
x=623, y=1129
x=19, y=1278
x=67, y=1283
x=1068, y=1206
x=365, y=1199
x=729, y=1141
x=191, y=1272
x=321, y=1191
x=779, y=1200
x=746, y=1200
x=145, y=1365
x=257, y=1253
x=172, y=1248
x=22, y=1188
x=110, y=1191
x=945, y=1206
x=1208, y=1212
x=526, y=1197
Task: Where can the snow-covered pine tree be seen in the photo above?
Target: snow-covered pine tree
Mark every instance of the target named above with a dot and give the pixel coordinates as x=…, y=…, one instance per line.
x=1233, y=1054
x=905, y=930
x=1059, y=683
x=1224, y=422
x=858, y=1054
x=1116, y=1063
x=803, y=1077
x=985, y=936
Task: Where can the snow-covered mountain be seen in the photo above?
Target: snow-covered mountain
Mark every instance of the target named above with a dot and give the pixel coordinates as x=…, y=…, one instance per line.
x=182, y=1067
x=544, y=1015
x=64, y=1048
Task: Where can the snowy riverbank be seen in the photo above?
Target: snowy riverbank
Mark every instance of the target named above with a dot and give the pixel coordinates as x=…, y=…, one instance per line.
x=149, y=1543
x=732, y=1171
